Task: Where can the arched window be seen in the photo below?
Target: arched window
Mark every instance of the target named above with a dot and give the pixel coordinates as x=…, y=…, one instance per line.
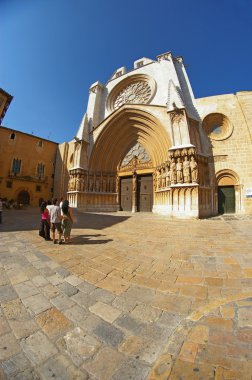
x=16, y=166
x=40, y=170
x=12, y=136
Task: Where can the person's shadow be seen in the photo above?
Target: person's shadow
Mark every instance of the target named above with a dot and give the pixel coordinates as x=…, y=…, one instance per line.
x=88, y=239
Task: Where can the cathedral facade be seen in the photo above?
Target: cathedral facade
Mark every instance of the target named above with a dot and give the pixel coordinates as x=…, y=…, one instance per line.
x=146, y=144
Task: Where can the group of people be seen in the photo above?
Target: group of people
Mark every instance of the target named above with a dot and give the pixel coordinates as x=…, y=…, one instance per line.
x=58, y=217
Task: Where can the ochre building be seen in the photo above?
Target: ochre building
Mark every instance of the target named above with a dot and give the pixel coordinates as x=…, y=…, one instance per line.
x=27, y=165
x=146, y=144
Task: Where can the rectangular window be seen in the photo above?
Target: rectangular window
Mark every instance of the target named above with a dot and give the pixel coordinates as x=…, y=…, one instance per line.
x=38, y=188
x=16, y=166
x=40, y=170
x=9, y=184
x=140, y=64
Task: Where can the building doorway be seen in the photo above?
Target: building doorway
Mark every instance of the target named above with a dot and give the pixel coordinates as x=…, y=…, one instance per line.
x=144, y=193
x=23, y=198
x=142, y=197
x=226, y=199
x=126, y=194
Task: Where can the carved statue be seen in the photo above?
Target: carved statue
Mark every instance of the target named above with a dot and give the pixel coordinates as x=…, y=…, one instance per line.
x=179, y=168
x=84, y=182
x=163, y=175
x=173, y=171
x=97, y=183
x=194, y=170
x=78, y=183
x=70, y=183
x=91, y=183
x=186, y=170
x=134, y=179
x=167, y=173
x=104, y=184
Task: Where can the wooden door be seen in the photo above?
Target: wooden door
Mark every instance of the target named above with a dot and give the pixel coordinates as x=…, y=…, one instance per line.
x=145, y=193
x=126, y=194
x=226, y=199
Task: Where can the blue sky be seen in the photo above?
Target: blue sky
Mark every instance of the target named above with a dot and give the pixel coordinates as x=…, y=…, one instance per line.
x=53, y=50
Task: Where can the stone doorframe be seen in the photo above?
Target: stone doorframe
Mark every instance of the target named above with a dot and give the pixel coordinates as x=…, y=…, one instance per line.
x=227, y=177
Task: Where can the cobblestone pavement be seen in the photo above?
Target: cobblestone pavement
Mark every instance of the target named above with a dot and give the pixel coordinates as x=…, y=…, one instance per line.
x=133, y=297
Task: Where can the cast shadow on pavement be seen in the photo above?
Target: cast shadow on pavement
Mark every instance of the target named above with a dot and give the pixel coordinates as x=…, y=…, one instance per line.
x=29, y=220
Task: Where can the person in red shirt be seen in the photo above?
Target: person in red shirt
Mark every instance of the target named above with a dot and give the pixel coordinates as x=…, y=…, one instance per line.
x=45, y=222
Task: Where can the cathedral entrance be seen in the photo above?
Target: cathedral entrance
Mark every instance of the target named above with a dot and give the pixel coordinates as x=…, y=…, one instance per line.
x=141, y=195
x=226, y=199
x=144, y=193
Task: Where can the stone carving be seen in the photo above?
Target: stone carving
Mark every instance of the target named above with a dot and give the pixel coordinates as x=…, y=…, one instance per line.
x=167, y=180
x=194, y=170
x=163, y=176
x=173, y=171
x=136, y=155
x=137, y=92
x=186, y=170
x=78, y=183
x=179, y=167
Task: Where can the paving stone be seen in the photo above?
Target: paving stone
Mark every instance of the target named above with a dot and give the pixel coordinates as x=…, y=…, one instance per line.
x=60, y=368
x=62, y=302
x=46, y=271
x=132, y=345
x=39, y=281
x=73, y=280
x=8, y=346
x=62, y=272
x=85, y=287
x=15, y=364
x=188, y=352
x=102, y=295
x=68, y=289
x=106, y=312
x=129, y=324
x=170, y=319
x=162, y=368
x=7, y=293
x=76, y=313
x=26, y=289
x=38, y=348
x=53, y=322
x=80, y=346
x=55, y=279
x=108, y=334
x=102, y=367
x=23, y=328
x=245, y=317
x=15, y=310
x=145, y=313
x=131, y=370
x=150, y=352
x=4, y=326
x=156, y=332
x=28, y=374
x=50, y=291
x=83, y=299
x=4, y=280
x=37, y=303
x=124, y=303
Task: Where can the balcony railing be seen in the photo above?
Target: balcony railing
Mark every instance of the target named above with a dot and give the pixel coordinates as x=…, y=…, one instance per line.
x=22, y=177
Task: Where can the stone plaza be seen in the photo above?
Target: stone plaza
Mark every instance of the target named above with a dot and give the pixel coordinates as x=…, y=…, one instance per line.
x=134, y=296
